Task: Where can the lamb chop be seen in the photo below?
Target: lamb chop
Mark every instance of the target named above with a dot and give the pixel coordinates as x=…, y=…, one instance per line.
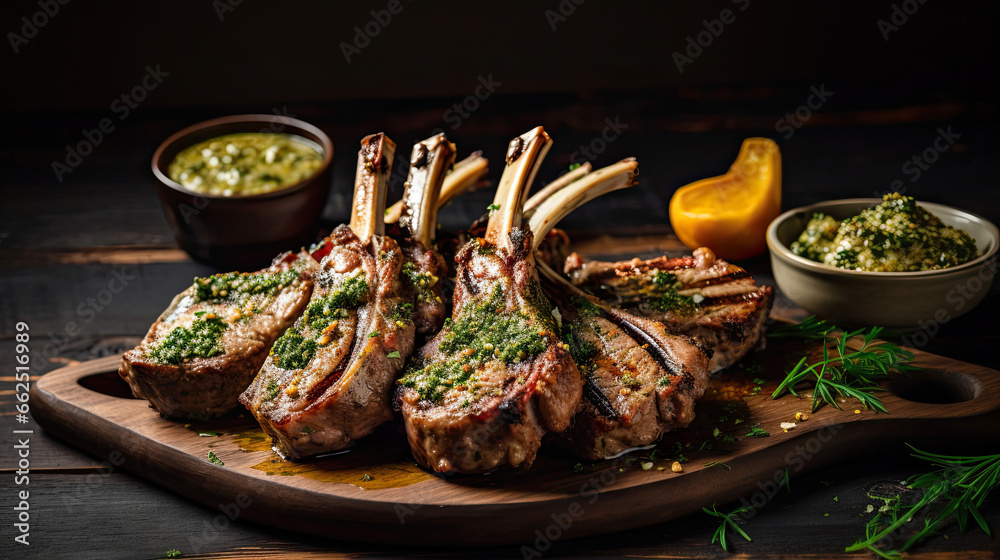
x=483, y=392
x=424, y=268
x=328, y=379
x=701, y=296
x=206, y=347
x=640, y=380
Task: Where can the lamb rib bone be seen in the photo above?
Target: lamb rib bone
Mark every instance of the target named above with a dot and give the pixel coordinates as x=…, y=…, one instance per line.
x=430, y=161
x=560, y=203
x=425, y=268
x=462, y=178
x=370, y=186
x=524, y=156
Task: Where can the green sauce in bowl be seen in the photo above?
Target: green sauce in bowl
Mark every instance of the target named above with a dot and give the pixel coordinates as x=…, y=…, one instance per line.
x=246, y=164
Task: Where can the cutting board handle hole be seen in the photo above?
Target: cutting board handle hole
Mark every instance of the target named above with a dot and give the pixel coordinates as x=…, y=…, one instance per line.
x=108, y=383
x=935, y=386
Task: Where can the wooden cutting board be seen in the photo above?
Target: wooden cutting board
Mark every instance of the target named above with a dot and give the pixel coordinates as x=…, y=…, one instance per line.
x=376, y=493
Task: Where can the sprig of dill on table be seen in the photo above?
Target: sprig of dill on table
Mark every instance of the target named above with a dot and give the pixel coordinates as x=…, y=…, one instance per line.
x=728, y=520
x=843, y=371
x=961, y=483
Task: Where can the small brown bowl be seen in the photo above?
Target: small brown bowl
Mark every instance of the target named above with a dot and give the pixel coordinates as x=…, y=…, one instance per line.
x=243, y=232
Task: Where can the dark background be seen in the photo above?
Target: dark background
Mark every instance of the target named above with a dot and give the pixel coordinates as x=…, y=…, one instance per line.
x=60, y=239
x=602, y=60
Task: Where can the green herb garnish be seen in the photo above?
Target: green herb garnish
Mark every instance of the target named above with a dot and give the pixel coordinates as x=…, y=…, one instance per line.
x=214, y=459
x=172, y=553
x=202, y=339
x=959, y=486
x=843, y=371
x=393, y=354
x=271, y=391
x=307, y=430
x=367, y=477
x=728, y=521
x=492, y=208
x=757, y=431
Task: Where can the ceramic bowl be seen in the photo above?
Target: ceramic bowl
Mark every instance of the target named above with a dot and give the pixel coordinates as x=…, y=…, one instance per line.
x=900, y=300
x=243, y=232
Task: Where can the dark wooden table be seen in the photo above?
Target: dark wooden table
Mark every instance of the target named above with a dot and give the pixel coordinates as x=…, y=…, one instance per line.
x=62, y=243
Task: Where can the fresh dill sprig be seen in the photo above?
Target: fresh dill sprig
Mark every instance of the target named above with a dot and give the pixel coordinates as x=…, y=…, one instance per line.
x=961, y=483
x=728, y=520
x=809, y=329
x=843, y=371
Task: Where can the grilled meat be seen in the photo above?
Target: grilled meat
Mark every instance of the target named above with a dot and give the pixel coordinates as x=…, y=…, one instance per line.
x=483, y=392
x=204, y=350
x=715, y=302
x=328, y=380
x=425, y=268
x=640, y=380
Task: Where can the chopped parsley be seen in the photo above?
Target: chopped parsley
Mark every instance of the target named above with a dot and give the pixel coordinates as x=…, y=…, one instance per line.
x=297, y=347
x=236, y=287
x=271, y=391
x=484, y=331
x=393, y=354
x=307, y=430
x=422, y=282
x=757, y=431
x=203, y=339
x=492, y=208
x=214, y=459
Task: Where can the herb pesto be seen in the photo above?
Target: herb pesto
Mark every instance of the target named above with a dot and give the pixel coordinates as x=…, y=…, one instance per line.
x=898, y=235
x=202, y=339
x=237, y=287
x=298, y=345
x=246, y=164
x=422, y=282
x=485, y=331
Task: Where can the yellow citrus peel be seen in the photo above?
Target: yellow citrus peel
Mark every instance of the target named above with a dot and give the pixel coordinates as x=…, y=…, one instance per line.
x=730, y=213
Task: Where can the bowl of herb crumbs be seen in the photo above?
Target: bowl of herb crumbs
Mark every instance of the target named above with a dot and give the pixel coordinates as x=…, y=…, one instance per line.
x=894, y=262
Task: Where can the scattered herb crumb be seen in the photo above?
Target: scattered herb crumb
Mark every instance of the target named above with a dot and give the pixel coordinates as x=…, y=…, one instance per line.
x=757, y=431
x=366, y=477
x=307, y=430
x=214, y=459
x=172, y=553
x=578, y=467
x=393, y=354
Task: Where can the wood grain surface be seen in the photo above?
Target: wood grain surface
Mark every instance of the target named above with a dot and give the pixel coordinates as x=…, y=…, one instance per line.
x=376, y=493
